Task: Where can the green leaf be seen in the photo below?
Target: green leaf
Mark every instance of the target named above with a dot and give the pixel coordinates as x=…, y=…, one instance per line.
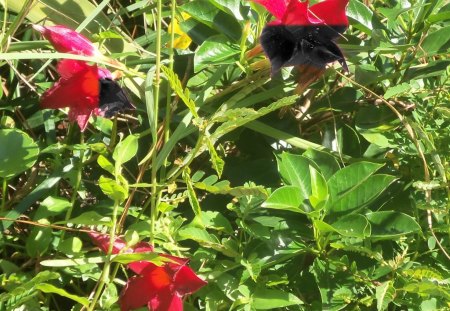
x=90, y=218
x=125, y=151
x=113, y=189
x=105, y=164
x=70, y=246
x=216, y=50
x=287, y=198
x=216, y=221
x=325, y=161
x=361, y=194
x=428, y=288
x=385, y=295
x=52, y=206
x=48, y=288
x=38, y=241
x=362, y=14
x=294, y=170
x=352, y=225
x=397, y=90
x=431, y=69
x=207, y=13
x=266, y=299
x=18, y=153
x=40, y=191
x=17, y=291
x=436, y=42
x=238, y=117
x=319, y=188
x=391, y=224
x=216, y=161
x=191, y=193
x=231, y=6
x=177, y=87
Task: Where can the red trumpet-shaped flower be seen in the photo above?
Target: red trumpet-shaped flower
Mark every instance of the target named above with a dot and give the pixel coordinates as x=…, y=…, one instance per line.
x=66, y=40
x=83, y=88
x=160, y=288
x=304, y=35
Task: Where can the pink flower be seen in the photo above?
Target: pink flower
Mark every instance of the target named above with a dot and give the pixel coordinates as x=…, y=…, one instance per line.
x=66, y=40
x=160, y=288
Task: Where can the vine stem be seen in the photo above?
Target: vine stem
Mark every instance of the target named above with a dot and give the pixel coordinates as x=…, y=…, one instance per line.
x=169, y=90
x=73, y=199
x=106, y=268
x=154, y=180
x=413, y=137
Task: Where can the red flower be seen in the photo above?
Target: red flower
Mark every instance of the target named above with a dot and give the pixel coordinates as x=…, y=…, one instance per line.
x=78, y=89
x=303, y=35
x=83, y=88
x=161, y=288
x=66, y=40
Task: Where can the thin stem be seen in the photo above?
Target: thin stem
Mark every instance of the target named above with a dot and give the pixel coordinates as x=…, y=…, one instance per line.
x=169, y=90
x=154, y=180
x=106, y=268
x=76, y=186
x=4, y=190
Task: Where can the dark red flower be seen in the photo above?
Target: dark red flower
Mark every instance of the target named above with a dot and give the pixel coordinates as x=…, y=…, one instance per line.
x=302, y=34
x=83, y=88
x=161, y=288
x=66, y=40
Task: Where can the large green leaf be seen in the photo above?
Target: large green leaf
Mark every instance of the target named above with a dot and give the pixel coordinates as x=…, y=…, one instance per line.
x=266, y=299
x=207, y=13
x=436, y=42
x=126, y=150
x=351, y=176
x=362, y=14
x=216, y=50
x=362, y=194
x=18, y=153
x=385, y=294
x=294, y=170
x=287, y=198
x=325, y=161
x=352, y=225
x=390, y=224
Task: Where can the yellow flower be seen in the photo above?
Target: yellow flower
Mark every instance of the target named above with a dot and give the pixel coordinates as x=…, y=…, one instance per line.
x=182, y=41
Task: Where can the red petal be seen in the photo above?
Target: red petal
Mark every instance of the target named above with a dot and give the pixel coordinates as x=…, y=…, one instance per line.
x=166, y=301
x=187, y=282
x=138, y=266
x=296, y=13
x=102, y=241
x=66, y=40
x=329, y=12
x=67, y=68
x=276, y=7
x=137, y=293
x=79, y=92
x=80, y=116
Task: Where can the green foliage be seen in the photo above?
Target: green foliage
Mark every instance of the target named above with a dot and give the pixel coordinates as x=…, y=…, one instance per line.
x=333, y=199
